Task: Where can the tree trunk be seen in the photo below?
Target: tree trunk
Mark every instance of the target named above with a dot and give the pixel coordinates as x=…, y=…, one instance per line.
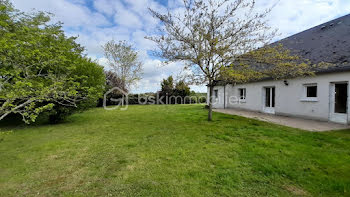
x=210, y=112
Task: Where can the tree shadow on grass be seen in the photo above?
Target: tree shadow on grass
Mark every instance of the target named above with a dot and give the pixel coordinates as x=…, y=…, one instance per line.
x=12, y=121
x=15, y=122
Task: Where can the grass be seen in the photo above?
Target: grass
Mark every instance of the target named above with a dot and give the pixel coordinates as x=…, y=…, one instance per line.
x=171, y=151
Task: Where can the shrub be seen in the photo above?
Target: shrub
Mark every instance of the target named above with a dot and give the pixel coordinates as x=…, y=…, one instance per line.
x=41, y=69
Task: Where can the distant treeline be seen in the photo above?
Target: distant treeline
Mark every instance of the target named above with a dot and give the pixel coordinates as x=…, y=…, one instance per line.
x=171, y=93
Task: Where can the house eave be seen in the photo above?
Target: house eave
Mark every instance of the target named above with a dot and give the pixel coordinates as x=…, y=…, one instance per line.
x=328, y=71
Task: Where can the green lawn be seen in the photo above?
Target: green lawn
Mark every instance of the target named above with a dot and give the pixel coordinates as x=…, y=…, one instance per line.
x=171, y=151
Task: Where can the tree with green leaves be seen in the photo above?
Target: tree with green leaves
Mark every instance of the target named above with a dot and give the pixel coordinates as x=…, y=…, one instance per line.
x=218, y=39
x=171, y=90
x=41, y=69
x=124, y=63
x=167, y=85
x=182, y=89
x=167, y=89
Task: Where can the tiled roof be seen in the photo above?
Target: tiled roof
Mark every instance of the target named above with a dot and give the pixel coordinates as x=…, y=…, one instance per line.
x=328, y=42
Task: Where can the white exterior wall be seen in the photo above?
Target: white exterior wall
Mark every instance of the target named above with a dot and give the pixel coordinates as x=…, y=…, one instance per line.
x=288, y=99
x=219, y=101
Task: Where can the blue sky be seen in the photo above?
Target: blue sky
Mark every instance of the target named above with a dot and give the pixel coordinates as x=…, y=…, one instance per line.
x=97, y=21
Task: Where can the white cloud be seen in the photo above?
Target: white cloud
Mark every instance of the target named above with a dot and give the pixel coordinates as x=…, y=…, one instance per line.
x=102, y=20
x=128, y=19
x=139, y=5
x=139, y=40
x=72, y=14
x=154, y=72
x=104, y=6
x=291, y=16
x=174, y=3
x=103, y=61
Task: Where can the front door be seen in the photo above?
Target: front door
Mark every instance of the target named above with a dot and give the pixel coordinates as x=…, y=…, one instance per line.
x=269, y=100
x=339, y=103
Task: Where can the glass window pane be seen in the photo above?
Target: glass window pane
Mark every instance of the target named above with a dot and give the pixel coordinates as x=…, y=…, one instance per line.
x=311, y=91
x=273, y=97
x=242, y=93
x=267, y=97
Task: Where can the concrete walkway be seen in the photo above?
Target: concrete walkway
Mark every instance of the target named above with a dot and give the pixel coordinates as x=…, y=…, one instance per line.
x=310, y=125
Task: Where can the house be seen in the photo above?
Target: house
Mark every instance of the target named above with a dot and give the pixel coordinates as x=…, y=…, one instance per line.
x=321, y=97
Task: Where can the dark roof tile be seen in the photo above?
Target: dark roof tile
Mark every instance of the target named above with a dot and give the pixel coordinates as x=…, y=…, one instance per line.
x=328, y=42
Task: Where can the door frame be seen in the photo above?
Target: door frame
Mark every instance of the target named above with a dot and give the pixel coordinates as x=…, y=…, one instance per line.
x=338, y=117
x=268, y=110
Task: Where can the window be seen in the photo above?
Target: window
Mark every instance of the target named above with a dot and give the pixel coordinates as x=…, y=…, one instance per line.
x=310, y=92
x=215, y=93
x=270, y=97
x=242, y=93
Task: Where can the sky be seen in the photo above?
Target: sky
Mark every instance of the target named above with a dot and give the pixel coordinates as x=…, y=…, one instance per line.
x=95, y=22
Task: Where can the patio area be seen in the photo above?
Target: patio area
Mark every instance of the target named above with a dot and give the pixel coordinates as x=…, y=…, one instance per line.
x=305, y=124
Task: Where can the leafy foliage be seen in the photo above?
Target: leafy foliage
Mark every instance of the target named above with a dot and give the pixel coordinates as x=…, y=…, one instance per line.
x=42, y=69
x=274, y=62
x=91, y=79
x=182, y=89
x=167, y=86
x=172, y=91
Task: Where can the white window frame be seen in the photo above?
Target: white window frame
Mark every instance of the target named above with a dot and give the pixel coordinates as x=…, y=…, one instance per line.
x=304, y=94
x=242, y=98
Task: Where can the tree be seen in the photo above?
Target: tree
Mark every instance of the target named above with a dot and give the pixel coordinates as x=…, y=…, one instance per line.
x=41, y=69
x=113, y=80
x=214, y=37
x=91, y=79
x=167, y=88
x=168, y=85
x=172, y=91
x=124, y=63
x=182, y=89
